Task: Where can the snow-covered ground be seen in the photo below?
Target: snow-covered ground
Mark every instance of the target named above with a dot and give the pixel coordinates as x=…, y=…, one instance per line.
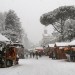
x=42, y=66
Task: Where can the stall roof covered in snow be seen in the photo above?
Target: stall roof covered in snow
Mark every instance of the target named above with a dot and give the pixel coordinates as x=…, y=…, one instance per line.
x=39, y=48
x=51, y=45
x=62, y=44
x=72, y=42
x=3, y=38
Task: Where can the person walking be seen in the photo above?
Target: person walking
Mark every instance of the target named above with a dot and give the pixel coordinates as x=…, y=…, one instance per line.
x=36, y=53
x=30, y=54
x=33, y=54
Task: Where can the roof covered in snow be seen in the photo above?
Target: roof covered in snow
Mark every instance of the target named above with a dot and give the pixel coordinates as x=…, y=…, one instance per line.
x=72, y=42
x=39, y=48
x=51, y=45
x=62, y=43
x=3, y=38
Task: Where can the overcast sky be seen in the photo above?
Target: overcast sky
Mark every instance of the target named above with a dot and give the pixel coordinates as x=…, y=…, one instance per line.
x=29, y=12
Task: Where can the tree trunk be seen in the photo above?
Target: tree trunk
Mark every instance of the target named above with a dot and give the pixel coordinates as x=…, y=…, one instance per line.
x=62, y=30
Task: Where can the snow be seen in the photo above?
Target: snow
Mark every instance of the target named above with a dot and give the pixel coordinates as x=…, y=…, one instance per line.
x=72, y=42
x=39, y=48
x=41, y=66
x=3, y=38
x=51, y=45
x=61, y=43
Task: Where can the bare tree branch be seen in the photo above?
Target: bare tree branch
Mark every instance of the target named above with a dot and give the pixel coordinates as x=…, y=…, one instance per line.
x=56, y=29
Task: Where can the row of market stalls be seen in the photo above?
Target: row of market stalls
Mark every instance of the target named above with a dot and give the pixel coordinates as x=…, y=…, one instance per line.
x=10, y=52
x=62, y=50
x=39, y=50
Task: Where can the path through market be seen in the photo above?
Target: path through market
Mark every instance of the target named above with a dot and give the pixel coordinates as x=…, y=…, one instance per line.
x=41, y=66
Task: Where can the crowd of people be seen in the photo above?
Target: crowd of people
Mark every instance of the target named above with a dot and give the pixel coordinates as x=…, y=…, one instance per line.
x=33, y=55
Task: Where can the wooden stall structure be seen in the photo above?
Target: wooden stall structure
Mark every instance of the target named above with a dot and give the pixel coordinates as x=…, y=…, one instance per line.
x=10, y=55
x=3, y=43
x=40, y=50
x=50, y=50
x=70, y=51
x=62, y=50
x=59, y=50
x=20, y=49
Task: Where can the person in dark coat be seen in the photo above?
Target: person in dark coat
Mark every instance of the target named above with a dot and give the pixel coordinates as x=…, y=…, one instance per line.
x=30, y=54
x=1, y=56
x=36, y=53
x=33, y=54
x=40, y=54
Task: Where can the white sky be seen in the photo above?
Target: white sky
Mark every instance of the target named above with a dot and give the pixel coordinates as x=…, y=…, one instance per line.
x=29, y=12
